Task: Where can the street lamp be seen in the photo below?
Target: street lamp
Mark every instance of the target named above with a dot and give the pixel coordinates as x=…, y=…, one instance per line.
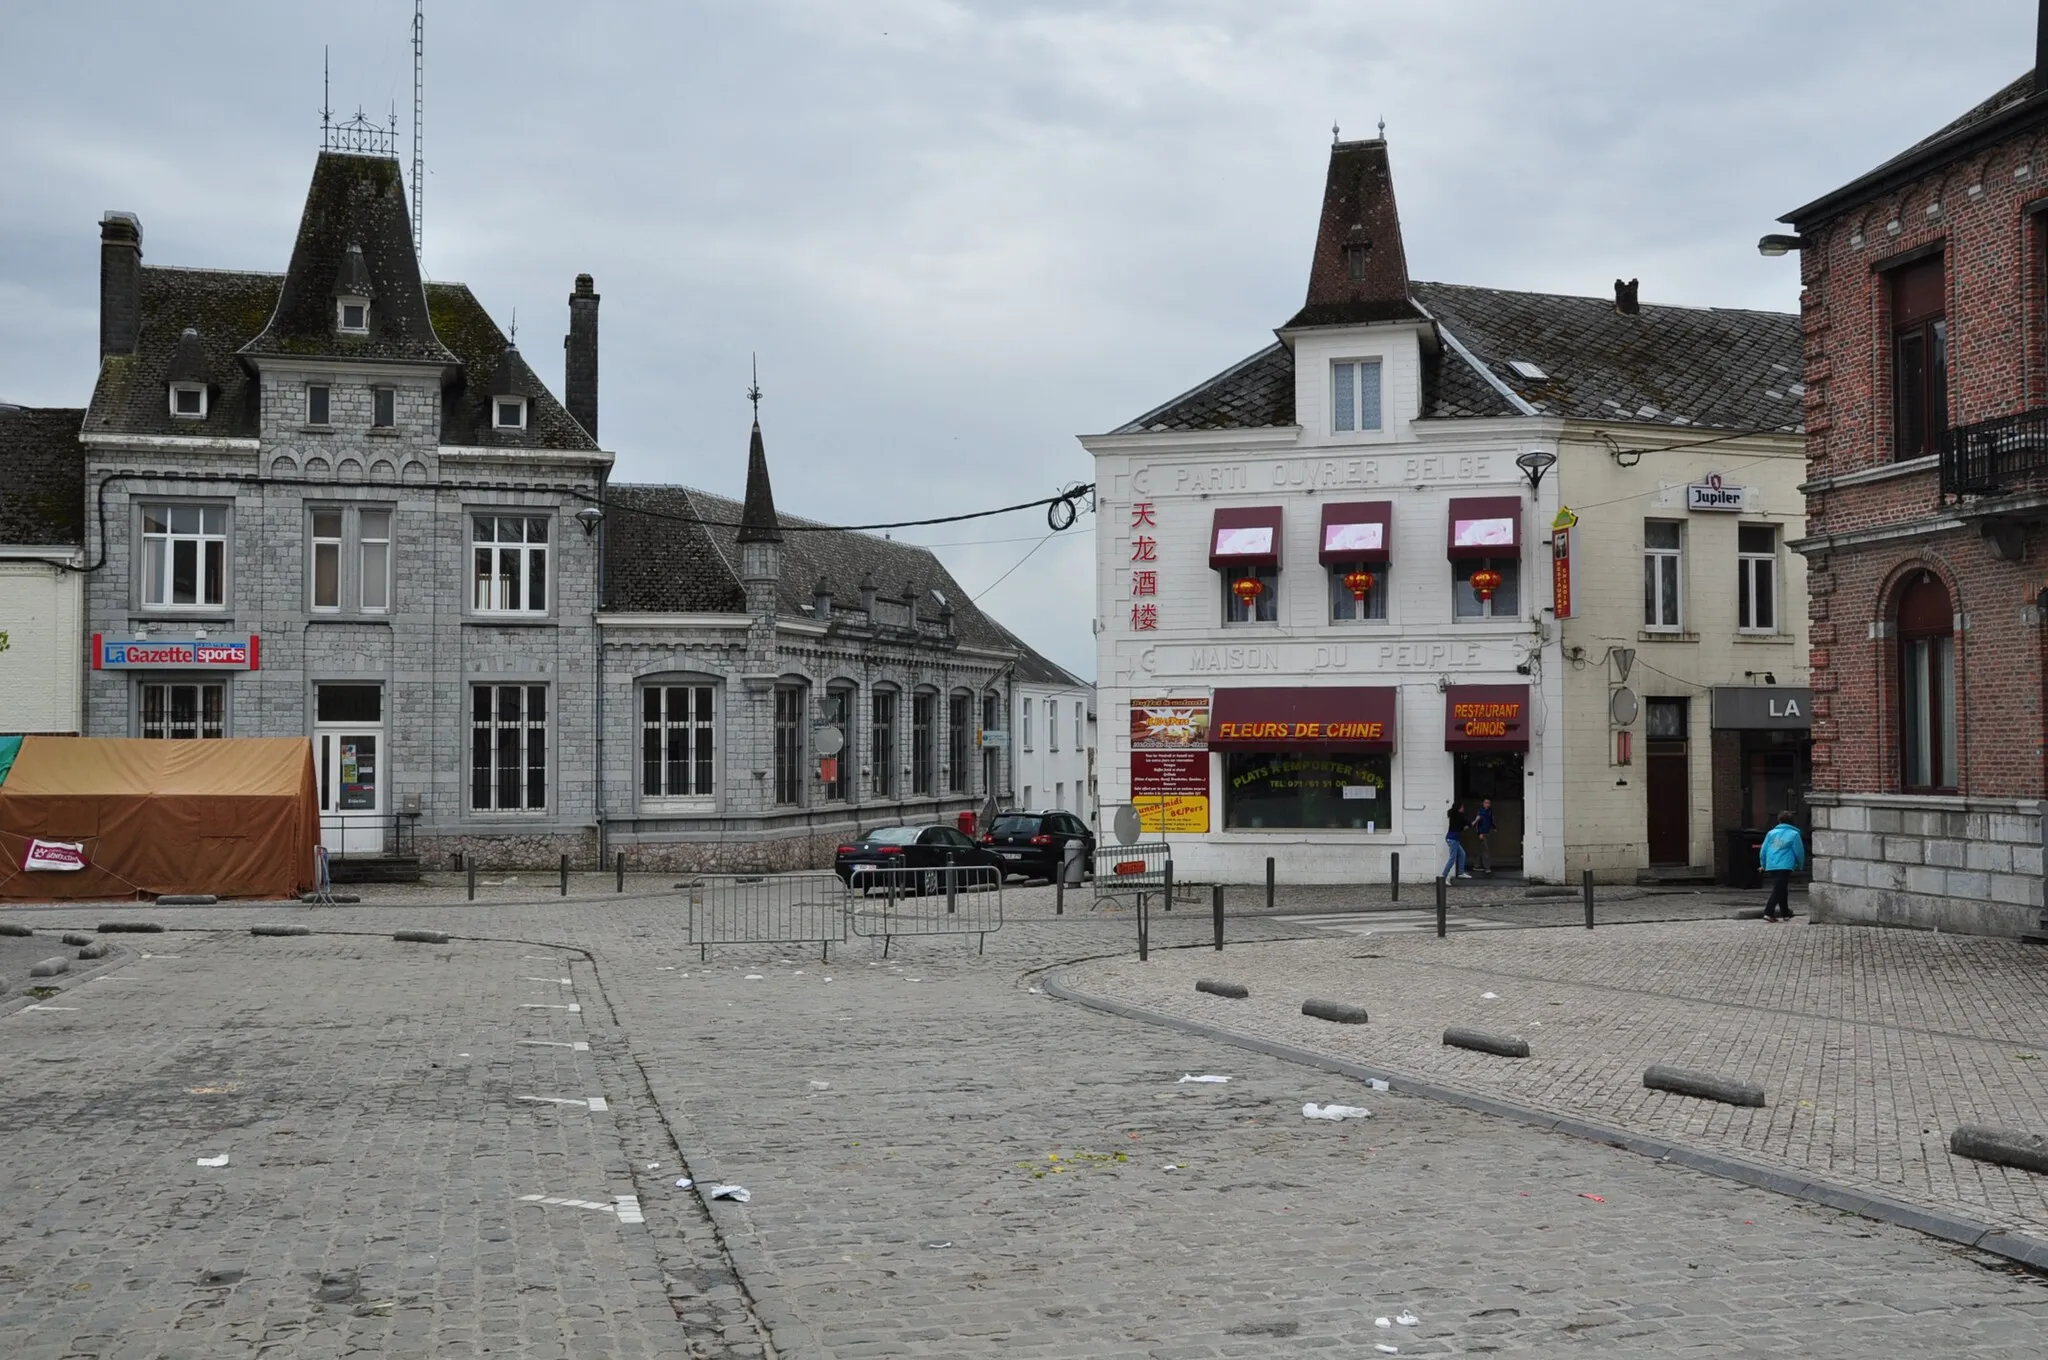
x=590, y=517
x=1534, y=464
x=1777, y=243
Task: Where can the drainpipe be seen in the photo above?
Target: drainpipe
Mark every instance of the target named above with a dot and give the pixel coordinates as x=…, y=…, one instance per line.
x=597, y=666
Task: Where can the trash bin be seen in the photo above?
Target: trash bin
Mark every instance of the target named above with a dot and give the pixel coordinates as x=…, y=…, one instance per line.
x=966, y=824
x=1745, y=867
x=1071, y=864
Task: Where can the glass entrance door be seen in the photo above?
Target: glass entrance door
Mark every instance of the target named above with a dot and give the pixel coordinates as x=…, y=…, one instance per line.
x=348, y=756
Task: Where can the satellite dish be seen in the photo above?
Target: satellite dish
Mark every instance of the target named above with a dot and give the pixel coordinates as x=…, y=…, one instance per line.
x=827, y=741
x=1623, y=707
x=1125, y=825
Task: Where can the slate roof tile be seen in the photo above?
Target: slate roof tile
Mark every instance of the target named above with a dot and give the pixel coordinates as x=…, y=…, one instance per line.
x=226, y=308
x=42, y=476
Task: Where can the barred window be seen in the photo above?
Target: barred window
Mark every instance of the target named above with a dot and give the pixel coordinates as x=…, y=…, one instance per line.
x=839, y=714
x=676, y=741
x=508, y=752
x=884, y=728
x=789, y=745
x=184, y=711
x=956, y=743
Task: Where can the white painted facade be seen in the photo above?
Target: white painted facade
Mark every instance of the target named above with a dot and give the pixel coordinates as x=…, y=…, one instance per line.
x=1419, y=649
x=42, y=611
x=1050, y=732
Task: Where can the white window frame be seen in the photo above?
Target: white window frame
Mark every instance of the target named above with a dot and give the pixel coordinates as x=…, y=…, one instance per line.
x=325, y=421
x=1747, y=595
x=1264, y=609
x=1052, y=724
x=498, y=405
x=160, y=552
x=369, y=542
x=182, y=389
x=488, y=591
x=1657, y=577
x=1508, y=567
x=341, y=306
x=1080, y=725
x=1024, y=725
x=354, y=545
x=686, y=718
x=164, y=725
x=330, y=546
x=1348, y=387
x=525, y=731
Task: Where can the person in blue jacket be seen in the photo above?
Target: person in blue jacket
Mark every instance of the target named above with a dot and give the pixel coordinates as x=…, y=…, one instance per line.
x=1783, y=851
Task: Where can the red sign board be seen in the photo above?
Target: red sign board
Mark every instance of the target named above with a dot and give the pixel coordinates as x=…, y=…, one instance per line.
x=1355, y=717
x=1486, y=718
x=1561, y=570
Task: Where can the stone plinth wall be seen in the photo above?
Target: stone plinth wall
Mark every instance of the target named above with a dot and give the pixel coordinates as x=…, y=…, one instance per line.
x=1969, y=865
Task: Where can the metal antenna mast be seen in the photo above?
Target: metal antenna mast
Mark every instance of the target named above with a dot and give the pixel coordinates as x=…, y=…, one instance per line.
x=419, y=48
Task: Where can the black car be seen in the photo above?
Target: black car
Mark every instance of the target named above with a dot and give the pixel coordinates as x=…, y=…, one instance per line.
x=1034, y=844
x=914, y=858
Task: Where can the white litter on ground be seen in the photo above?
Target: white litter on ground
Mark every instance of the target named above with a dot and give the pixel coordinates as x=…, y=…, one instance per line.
x=751, y=977
x=1382, y=1322
x=1315, y=1111
x=821, y=1086
x=1384, y=1349
x=1407, y=1319
x=221, y=1160
x=684, y=1183
x=1376, y=1084
x=1207, y=1080
x=732, y=1192
x=1489, y=996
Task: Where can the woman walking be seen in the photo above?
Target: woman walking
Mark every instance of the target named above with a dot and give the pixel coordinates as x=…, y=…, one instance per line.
x=1454, y=842
x=1783, y=851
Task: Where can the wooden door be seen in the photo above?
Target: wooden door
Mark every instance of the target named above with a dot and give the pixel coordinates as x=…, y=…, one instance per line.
x=1670, y=803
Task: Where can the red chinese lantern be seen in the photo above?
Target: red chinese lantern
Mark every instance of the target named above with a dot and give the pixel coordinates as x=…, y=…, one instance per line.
x=1485, y=581
x=1359, y=583
x=1247, y=590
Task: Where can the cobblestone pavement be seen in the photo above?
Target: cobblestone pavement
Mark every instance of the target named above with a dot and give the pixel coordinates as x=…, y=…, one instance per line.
x=942, y=1161
x=1872, y=1045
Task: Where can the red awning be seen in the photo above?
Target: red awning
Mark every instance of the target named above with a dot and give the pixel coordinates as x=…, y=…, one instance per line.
x=1353, y=718
x=1486, y=718
x=1361, y=531
x=1486, y=526
x=1246, y=537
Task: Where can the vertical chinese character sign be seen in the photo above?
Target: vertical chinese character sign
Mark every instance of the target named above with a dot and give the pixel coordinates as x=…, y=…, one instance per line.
x=1144, y=579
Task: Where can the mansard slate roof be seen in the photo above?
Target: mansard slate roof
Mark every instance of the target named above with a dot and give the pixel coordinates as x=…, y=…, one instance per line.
x=354, y=201
x=42, y=476
x=1665, y=365
x=227, y=308
x=2016, y=107
x=658, y=561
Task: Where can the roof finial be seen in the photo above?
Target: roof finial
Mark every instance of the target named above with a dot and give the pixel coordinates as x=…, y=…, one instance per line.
x=1334, y=134
x=754, y=389
x=1383, y=127
x=515, y=328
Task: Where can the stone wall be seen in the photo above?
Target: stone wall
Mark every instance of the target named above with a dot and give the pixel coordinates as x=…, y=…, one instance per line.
x=1968, y=865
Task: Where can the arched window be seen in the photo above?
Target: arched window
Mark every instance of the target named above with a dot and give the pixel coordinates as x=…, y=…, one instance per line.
x=1927, y=685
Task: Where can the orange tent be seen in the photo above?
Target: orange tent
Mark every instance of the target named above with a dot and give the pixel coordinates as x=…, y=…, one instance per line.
x=238, y=817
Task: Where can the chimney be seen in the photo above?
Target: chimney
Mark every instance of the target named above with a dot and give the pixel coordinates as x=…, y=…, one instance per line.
x=1625, y=293
x=579, y=362
x=120, y=283
x=821, y=600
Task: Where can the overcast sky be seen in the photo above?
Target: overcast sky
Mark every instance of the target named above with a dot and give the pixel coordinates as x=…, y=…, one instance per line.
x=957, y=234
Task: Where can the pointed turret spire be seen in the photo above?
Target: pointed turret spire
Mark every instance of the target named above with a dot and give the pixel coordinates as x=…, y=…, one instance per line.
x=758, y=523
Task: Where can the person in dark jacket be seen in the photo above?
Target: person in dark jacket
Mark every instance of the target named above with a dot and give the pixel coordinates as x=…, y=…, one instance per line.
x=1454, y=863
x=1482, y=830
x=1783, y=851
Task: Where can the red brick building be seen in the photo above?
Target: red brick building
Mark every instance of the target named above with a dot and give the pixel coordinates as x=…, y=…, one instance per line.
x=1925, y=311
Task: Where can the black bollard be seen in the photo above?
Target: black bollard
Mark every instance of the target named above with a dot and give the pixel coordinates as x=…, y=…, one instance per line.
x=1059, y=892
x=1587, y=884
x=622, y=872
x=1217, y=905
x=1269, y=894
x=1441, y=908
x=1394, y=876
x=565, y=875
x=469, y=863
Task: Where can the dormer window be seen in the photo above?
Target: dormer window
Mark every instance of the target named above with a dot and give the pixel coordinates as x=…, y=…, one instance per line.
x=508, y=413
x=352, y=316
x=1356, y=257
x=188, y=400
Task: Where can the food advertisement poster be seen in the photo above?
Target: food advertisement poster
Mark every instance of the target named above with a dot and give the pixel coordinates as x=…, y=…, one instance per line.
x=1170, y=724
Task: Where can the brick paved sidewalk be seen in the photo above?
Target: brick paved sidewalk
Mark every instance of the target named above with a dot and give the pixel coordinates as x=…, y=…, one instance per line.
x=1872, y=1045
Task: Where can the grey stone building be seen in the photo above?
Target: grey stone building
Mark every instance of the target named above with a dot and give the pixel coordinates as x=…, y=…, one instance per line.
x=336, y=503
x=740, y=644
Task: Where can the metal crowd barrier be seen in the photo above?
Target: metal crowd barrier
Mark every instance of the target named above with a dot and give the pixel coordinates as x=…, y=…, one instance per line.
x=766, y=909
x=1142, y=872
x=956, y=899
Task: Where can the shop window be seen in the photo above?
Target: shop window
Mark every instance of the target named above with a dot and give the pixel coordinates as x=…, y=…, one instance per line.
x=1756, y=580
x=184, y=556
x=1242, y=603
x=184, y=712
x=789, y=745
x=1917, y=293
x=839, y=714
x=1506, y=598
x=1355, y=395
x=1306, y=789
x=1663, y=543
x=959, y=709
x=1345, y=606
x=510, y=575
x=924, y=712
x=1927, y=686
x=883, y=731
x=678, y=726
x=508, y=754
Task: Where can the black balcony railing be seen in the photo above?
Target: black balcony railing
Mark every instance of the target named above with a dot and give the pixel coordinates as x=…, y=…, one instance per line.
x=1992, y=457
